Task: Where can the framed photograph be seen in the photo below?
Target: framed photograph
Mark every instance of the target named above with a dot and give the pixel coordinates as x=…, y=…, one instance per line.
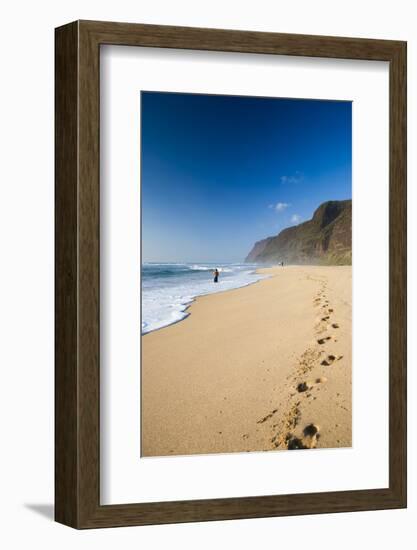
x=230, y=274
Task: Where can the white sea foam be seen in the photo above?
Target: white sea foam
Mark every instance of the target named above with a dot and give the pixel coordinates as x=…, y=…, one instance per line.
x=196, y=267
x=168, y=289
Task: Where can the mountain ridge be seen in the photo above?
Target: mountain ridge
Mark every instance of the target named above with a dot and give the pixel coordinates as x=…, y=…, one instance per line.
x=326, y=239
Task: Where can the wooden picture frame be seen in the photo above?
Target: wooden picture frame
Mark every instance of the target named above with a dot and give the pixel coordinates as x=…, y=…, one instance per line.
x=77, y=382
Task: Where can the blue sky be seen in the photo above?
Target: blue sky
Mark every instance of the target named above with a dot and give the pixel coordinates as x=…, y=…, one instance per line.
x=221, y=172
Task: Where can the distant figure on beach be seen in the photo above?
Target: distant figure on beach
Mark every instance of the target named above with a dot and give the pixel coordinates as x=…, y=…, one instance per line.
x=216, y=275
x=282, y=264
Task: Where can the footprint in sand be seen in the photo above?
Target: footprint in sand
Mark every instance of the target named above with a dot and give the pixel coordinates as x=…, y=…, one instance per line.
x=309, y=440
x=322, y=341
x=304, y=386
x=335, y=325
x=331, y=359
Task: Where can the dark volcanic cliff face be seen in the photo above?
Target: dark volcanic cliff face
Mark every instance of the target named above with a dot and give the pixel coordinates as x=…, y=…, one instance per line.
x=325, y=239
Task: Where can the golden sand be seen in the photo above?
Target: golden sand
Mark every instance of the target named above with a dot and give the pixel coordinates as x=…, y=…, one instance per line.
x=260, y=368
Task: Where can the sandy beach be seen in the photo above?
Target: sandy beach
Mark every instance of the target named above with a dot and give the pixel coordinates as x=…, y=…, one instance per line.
x=264, y=367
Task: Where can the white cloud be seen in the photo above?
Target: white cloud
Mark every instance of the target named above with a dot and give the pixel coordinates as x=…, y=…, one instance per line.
x=279, y=206
x=294, y=178
x=295, y=218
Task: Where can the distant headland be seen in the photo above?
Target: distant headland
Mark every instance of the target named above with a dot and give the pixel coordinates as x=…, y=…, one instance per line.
x=326, y=239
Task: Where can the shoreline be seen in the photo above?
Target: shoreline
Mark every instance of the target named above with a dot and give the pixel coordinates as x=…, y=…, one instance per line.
x=254, y=369
x=193, y=300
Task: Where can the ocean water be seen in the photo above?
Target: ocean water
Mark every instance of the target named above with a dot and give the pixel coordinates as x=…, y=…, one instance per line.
x=169, y=288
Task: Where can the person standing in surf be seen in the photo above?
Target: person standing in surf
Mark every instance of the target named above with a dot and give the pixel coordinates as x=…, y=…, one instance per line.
x=216, y=275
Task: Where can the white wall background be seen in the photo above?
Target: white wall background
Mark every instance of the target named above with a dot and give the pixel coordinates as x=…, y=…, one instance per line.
x=26, y=273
